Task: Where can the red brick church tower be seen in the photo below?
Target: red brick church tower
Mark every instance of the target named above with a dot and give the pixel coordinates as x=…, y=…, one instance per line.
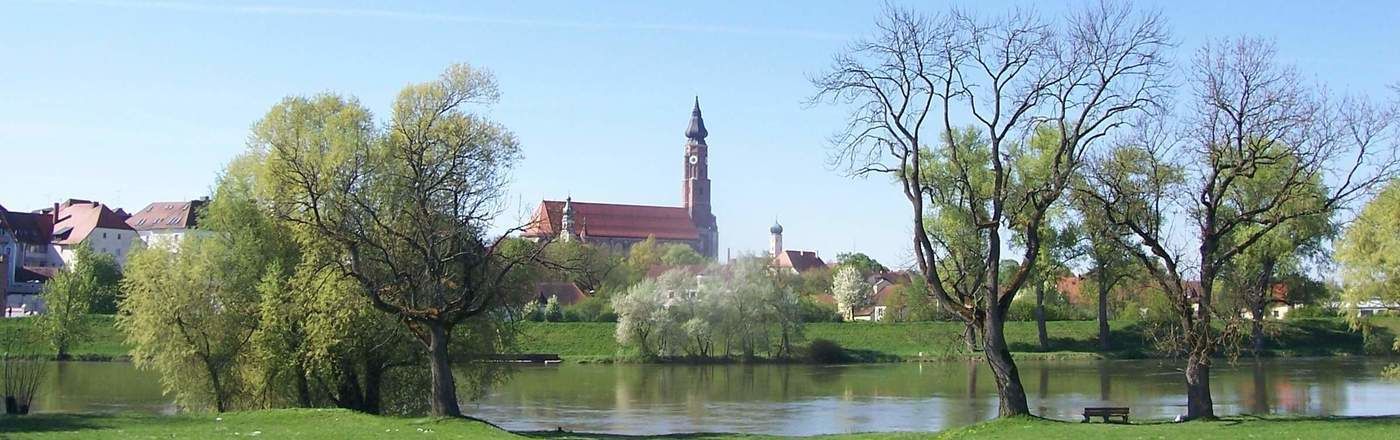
x=695, y=189
x=619, y=226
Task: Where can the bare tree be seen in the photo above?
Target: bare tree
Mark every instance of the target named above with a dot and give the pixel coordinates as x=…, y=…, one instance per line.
x=405, y=210
x=1039, y=95
x=1246, y=160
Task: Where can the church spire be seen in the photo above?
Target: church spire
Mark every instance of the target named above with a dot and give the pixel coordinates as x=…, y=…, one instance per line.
x=696, y=131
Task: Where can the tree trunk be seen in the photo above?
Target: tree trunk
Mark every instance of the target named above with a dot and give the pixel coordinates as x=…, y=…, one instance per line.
x=1040, y=317
x=1199, y=404
x=350, y=395
x=374, y=379
x=970, y=337
x=444, y=386
x=1104, y=343
x=303, y=389
x=215, y=383
x=1258, y=330
x=1265, y=296
x=1010, y=393
x=1198, y=401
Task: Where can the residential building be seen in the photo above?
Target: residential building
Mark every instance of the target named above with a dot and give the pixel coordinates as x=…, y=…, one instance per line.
x=794, y=261
x=36, y=245
x=566, y=293
x=166, y=223
x=84, y=222
x=619, y=226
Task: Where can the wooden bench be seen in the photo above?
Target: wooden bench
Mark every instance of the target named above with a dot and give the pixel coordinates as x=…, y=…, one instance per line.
x=1106, y=413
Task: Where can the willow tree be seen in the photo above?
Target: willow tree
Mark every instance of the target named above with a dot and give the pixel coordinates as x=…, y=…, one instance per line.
x=406, y=208
x=191, y=313
x=1244, y=161
x=1014, y=76
x=1369, y=251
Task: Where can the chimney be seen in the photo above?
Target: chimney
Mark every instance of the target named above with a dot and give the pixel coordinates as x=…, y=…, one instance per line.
x=55, y=213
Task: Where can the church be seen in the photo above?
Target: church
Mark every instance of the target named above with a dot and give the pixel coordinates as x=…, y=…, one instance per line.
x=619, y=226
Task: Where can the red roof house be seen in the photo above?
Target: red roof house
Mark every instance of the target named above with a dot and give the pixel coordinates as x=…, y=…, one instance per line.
x=568, y=293
x=798, y=261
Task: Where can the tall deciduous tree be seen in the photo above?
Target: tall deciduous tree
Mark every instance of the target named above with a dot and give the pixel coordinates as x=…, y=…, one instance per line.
x=191, y=313
x=406, y=209
x=1251, y=117
x=1109, y=262
x=1077, y=79
x=1256, y=273
x=1369, y=251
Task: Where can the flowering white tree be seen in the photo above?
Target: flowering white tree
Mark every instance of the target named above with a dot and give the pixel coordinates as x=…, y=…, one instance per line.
x=724, y=310
x=851, y=291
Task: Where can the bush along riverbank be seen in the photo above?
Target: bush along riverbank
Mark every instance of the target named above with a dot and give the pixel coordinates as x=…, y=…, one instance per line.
x=587, y=342
x=312, y=424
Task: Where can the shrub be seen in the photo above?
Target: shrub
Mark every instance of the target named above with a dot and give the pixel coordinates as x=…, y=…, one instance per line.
x=1309, y=312
x=593, y=309
x=1024, y=310
x=553, y=312
x=812, y=310
x=825, y=351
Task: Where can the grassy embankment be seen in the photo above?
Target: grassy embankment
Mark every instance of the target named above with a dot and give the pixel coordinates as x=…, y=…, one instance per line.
x=341, y=424
x=864, y=342
x=103, y=341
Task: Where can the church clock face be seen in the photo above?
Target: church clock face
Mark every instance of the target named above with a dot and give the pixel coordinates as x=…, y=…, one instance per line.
x=694, y=159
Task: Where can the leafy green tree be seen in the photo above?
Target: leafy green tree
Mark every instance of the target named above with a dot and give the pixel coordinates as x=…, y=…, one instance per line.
x=677, y=254
x=592, y=268
x=861, y=262
x=404, y=210
x=191, y=314
x=1369, y=250
x=67, y=299
x=1286, y=250
x=89, y=285
x=644, y=254
x=103, y=278
x=1109, y=261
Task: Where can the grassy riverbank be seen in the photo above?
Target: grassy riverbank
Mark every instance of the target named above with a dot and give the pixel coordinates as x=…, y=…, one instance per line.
x=866, y=342
x=102, y=341
x=339, y=424
x=863, y=342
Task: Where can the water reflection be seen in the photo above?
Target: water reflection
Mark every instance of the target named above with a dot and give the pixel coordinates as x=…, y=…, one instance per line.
x=806, y=399
x=802, y=400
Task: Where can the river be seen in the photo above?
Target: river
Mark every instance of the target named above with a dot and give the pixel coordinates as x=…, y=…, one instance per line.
x=810, y=399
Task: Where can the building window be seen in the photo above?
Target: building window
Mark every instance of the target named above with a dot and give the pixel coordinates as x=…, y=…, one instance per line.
x=104, y=235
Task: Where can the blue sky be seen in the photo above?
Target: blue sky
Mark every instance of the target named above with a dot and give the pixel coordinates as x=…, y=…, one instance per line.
x=140, y=101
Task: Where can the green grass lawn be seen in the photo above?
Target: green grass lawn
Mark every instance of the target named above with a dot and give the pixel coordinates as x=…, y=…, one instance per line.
x=103, y=340
x=870, y=342
x=342, y=424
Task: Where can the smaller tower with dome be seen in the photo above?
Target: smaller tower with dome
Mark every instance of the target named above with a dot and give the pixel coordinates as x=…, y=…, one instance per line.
x=777, y=237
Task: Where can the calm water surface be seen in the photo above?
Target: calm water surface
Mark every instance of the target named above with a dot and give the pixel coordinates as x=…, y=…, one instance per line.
x=805, y=399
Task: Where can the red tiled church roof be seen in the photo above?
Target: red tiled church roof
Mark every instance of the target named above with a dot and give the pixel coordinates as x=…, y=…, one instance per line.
x=611, y=220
